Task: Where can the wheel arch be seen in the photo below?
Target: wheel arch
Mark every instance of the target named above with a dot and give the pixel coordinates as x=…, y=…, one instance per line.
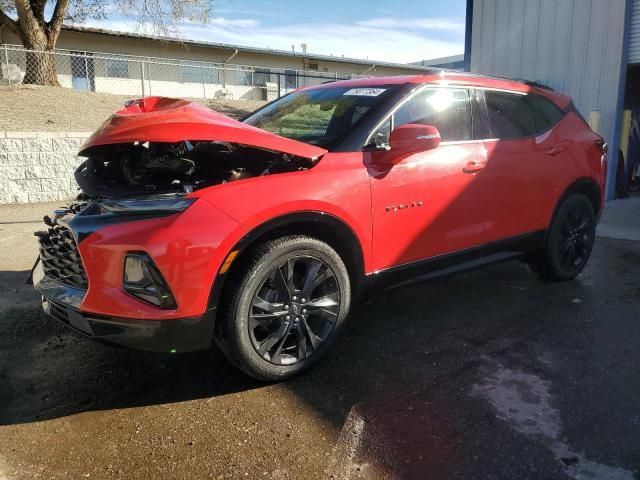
x=323, y=226
x=588, y=187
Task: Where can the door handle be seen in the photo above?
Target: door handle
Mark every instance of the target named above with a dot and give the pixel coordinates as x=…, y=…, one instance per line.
x=473, y=167
x=554, y=150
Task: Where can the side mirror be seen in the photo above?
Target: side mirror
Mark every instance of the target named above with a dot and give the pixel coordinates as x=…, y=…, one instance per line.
x=414, y=138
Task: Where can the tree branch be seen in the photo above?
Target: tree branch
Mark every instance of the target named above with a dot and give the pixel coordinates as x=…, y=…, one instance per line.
x=10, y=22
x=55, y=24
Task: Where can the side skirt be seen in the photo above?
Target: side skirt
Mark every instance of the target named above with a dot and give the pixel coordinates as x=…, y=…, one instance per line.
x=448, y=263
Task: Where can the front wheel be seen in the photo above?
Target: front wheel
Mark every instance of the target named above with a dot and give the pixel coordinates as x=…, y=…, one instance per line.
x=569, y=241
x=284, y=307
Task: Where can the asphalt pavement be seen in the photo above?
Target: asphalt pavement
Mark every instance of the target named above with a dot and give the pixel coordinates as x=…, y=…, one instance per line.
x=489, y=374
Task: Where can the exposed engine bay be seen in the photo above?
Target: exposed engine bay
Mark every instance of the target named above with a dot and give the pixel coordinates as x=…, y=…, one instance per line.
x=121, y=170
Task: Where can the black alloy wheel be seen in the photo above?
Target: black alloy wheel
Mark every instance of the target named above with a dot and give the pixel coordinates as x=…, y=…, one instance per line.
x=285, y=303
x=576, y=237
x=294, y=310
x=570, y=240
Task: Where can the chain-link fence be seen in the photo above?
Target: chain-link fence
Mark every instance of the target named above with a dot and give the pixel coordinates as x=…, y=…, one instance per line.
x=144, y=76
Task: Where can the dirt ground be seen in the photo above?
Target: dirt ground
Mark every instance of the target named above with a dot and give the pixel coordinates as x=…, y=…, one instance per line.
x=30, y=107
x=489, y=374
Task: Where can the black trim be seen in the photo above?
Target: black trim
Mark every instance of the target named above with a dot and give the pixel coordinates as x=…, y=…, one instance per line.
x=94, y=217
x=156, y=278
x=57, y=291
x=479, y=117
x=169, y=336
x=461, y=260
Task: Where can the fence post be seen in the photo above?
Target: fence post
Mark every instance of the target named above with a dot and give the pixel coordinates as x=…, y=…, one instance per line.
x=86, y=72
x=142, y=77
x=6, y=61
x=279, y=84
x=204, y=91
x=149, y=76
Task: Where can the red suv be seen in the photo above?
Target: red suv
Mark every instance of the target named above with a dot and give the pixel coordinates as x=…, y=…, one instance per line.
x=258, y=234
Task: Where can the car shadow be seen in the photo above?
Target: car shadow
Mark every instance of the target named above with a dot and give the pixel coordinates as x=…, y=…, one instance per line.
x=48, y=371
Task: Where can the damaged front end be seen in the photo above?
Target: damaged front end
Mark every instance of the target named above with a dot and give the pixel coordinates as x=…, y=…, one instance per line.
x=159, y=146
x=158, y=168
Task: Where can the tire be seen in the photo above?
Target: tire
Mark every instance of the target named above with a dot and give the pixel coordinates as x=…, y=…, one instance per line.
x=284, y=307
x=569, y=240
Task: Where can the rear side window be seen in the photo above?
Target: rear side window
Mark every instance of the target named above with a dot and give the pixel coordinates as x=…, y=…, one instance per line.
x=509, y=115
x=448, y=109
x=545, y=113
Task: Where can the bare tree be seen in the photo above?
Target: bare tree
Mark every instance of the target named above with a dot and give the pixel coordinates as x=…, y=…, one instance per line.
x=28, y=20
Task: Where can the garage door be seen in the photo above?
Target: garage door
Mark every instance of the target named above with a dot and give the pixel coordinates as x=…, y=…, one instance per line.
x=634, y=43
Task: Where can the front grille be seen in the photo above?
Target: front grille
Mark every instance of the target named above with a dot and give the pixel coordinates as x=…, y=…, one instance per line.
x=60, y=257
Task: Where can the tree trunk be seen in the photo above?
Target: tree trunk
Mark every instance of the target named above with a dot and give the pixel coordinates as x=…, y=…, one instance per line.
x=40, y=66
x=39, y=36
x=41, y=69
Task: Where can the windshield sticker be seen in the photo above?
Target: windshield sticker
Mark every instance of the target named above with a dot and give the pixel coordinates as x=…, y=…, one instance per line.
x=365, y=92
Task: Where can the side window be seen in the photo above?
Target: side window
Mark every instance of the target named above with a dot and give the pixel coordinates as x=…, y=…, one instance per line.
x=448, y=109
x=509, y=115
x=545, y=113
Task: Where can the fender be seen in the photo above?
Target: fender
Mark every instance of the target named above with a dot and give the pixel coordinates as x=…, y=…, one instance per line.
x=585, y=185
x=338, y=234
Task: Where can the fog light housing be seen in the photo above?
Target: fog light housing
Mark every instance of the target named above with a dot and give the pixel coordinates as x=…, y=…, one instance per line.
x=143, y=280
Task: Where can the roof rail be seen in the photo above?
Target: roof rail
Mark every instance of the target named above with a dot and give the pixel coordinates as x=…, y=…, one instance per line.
x=534, y=84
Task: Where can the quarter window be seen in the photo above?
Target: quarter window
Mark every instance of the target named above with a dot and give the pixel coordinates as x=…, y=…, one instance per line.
x=509, y=115
x=545, y=113
x=448, y=109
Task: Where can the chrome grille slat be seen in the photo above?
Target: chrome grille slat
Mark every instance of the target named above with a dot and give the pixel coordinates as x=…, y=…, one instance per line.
x=60, y=258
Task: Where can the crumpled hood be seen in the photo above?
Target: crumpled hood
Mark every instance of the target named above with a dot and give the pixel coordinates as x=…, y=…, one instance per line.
x=162, y=119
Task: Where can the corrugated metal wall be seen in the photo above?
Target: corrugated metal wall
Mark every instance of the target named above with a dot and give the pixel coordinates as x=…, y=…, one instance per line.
x=634, y=35
x=574, y=46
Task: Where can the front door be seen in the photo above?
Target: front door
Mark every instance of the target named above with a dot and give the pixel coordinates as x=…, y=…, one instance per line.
x=430, y=203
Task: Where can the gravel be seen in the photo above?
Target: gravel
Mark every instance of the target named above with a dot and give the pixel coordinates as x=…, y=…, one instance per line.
x=30, y=108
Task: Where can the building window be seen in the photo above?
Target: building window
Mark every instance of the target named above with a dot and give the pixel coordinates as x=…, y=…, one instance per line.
x=290, y=79
x=117, y=67
x=262, y=76
x=198, y=72
x=313, y=66
x=243, y=76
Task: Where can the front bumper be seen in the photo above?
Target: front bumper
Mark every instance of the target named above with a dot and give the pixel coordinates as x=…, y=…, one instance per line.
x=171, y=336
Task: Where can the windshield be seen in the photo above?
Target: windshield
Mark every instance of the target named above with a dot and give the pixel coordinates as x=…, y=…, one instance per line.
x=320, y=116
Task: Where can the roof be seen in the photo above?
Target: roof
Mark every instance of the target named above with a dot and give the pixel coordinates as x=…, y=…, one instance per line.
x=240, y=48
x=444, y=77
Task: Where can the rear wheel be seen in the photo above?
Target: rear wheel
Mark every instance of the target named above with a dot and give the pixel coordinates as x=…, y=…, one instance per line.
x=284, y=307
x=569, y=241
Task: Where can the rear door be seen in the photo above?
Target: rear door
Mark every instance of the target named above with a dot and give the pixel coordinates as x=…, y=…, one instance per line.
x=523, y=161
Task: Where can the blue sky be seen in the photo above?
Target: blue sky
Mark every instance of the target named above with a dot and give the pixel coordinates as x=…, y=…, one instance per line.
x=402, y=32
